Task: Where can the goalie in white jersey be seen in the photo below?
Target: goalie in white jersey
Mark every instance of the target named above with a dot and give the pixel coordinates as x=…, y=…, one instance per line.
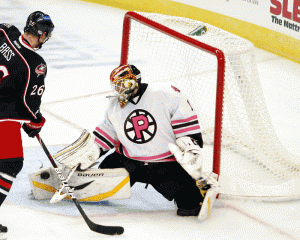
x=147, y=126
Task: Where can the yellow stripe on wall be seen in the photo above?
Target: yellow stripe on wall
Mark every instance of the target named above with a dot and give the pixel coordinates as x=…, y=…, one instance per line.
x=271, y=41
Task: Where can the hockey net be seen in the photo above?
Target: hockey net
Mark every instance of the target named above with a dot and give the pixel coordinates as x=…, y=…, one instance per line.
x=217, y=71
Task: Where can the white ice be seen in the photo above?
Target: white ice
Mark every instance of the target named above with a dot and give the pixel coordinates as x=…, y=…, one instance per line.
x=84, y=48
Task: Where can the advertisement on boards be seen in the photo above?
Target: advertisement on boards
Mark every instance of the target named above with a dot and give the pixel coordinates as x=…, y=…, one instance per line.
x=286, y=14
x=282, y=16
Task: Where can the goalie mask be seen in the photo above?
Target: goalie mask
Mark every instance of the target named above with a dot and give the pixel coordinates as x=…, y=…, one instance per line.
x=125, y=80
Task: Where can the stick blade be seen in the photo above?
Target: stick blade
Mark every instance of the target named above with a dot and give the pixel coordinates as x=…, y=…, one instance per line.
x=108, y=230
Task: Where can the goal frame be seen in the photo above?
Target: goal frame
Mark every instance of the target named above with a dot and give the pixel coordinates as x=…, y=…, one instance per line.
x=133, y=16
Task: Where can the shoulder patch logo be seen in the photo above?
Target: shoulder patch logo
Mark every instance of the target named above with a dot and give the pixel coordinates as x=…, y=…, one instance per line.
x=41, y=69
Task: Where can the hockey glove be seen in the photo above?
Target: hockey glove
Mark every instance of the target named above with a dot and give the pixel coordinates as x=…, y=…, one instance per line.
x=188, y=154
x=34, y=127
x=83, y=151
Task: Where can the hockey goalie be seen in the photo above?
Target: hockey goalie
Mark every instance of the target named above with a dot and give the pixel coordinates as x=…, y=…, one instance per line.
x=157, y=140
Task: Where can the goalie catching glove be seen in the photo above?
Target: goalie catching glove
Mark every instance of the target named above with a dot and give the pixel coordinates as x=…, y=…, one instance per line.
x=84, y=152
x=188, y=155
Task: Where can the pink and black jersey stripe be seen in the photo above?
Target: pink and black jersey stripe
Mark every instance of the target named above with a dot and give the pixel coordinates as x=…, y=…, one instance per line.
x=185, y=126
x=103, y=139
x=164, y=157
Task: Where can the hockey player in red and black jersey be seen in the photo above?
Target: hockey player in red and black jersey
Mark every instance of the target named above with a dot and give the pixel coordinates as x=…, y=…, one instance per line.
x=22, y=75
x=157, y=138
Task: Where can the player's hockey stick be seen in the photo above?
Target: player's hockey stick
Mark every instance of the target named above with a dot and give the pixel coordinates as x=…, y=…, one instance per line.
x=109, y=230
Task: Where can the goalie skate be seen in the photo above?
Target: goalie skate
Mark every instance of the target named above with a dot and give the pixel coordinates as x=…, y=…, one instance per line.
x=209, y=188
x=3, y=232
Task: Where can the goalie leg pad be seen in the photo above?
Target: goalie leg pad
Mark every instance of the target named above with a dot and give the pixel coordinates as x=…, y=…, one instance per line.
x=92, y=185
x=209, y=188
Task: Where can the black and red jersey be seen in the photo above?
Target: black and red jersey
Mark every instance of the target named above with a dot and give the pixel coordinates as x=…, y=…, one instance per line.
x=22, y=74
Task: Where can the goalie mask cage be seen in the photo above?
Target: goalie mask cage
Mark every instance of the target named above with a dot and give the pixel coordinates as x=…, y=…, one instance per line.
x=217, y=72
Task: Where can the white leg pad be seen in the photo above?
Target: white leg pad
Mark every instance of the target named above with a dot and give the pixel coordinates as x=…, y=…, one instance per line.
x=209, y=195
x=3, y=236
x=92, y=185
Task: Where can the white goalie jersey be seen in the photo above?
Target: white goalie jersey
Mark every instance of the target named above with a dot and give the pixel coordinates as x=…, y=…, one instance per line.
x=142, y=129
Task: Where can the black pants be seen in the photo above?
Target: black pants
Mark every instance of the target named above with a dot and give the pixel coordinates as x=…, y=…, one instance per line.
x=167, y=178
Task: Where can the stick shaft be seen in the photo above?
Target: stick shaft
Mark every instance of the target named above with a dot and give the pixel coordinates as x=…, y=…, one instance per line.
x=109, y=230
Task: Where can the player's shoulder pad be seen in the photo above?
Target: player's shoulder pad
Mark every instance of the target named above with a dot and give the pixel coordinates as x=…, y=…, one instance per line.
x=37, y=63
x=10, y=29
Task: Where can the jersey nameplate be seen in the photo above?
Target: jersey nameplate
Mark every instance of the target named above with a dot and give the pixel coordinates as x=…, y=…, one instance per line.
x=6, y=52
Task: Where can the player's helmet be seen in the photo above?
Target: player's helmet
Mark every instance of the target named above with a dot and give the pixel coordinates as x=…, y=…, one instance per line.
x=125, y=79
x=37, y=23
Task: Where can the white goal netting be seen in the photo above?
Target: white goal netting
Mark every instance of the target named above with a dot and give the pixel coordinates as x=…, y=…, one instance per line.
x=253, y=161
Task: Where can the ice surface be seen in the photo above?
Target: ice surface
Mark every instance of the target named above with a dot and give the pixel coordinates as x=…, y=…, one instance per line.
x=84, y=48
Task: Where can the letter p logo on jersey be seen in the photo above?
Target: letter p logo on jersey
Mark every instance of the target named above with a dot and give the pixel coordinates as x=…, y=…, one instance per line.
x=140, y=126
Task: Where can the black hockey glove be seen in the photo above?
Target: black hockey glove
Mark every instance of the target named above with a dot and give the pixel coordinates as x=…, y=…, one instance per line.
x=34, y=127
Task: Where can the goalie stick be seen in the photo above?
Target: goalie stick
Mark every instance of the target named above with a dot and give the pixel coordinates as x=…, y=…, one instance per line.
x=58, y=196
x=108, y=230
